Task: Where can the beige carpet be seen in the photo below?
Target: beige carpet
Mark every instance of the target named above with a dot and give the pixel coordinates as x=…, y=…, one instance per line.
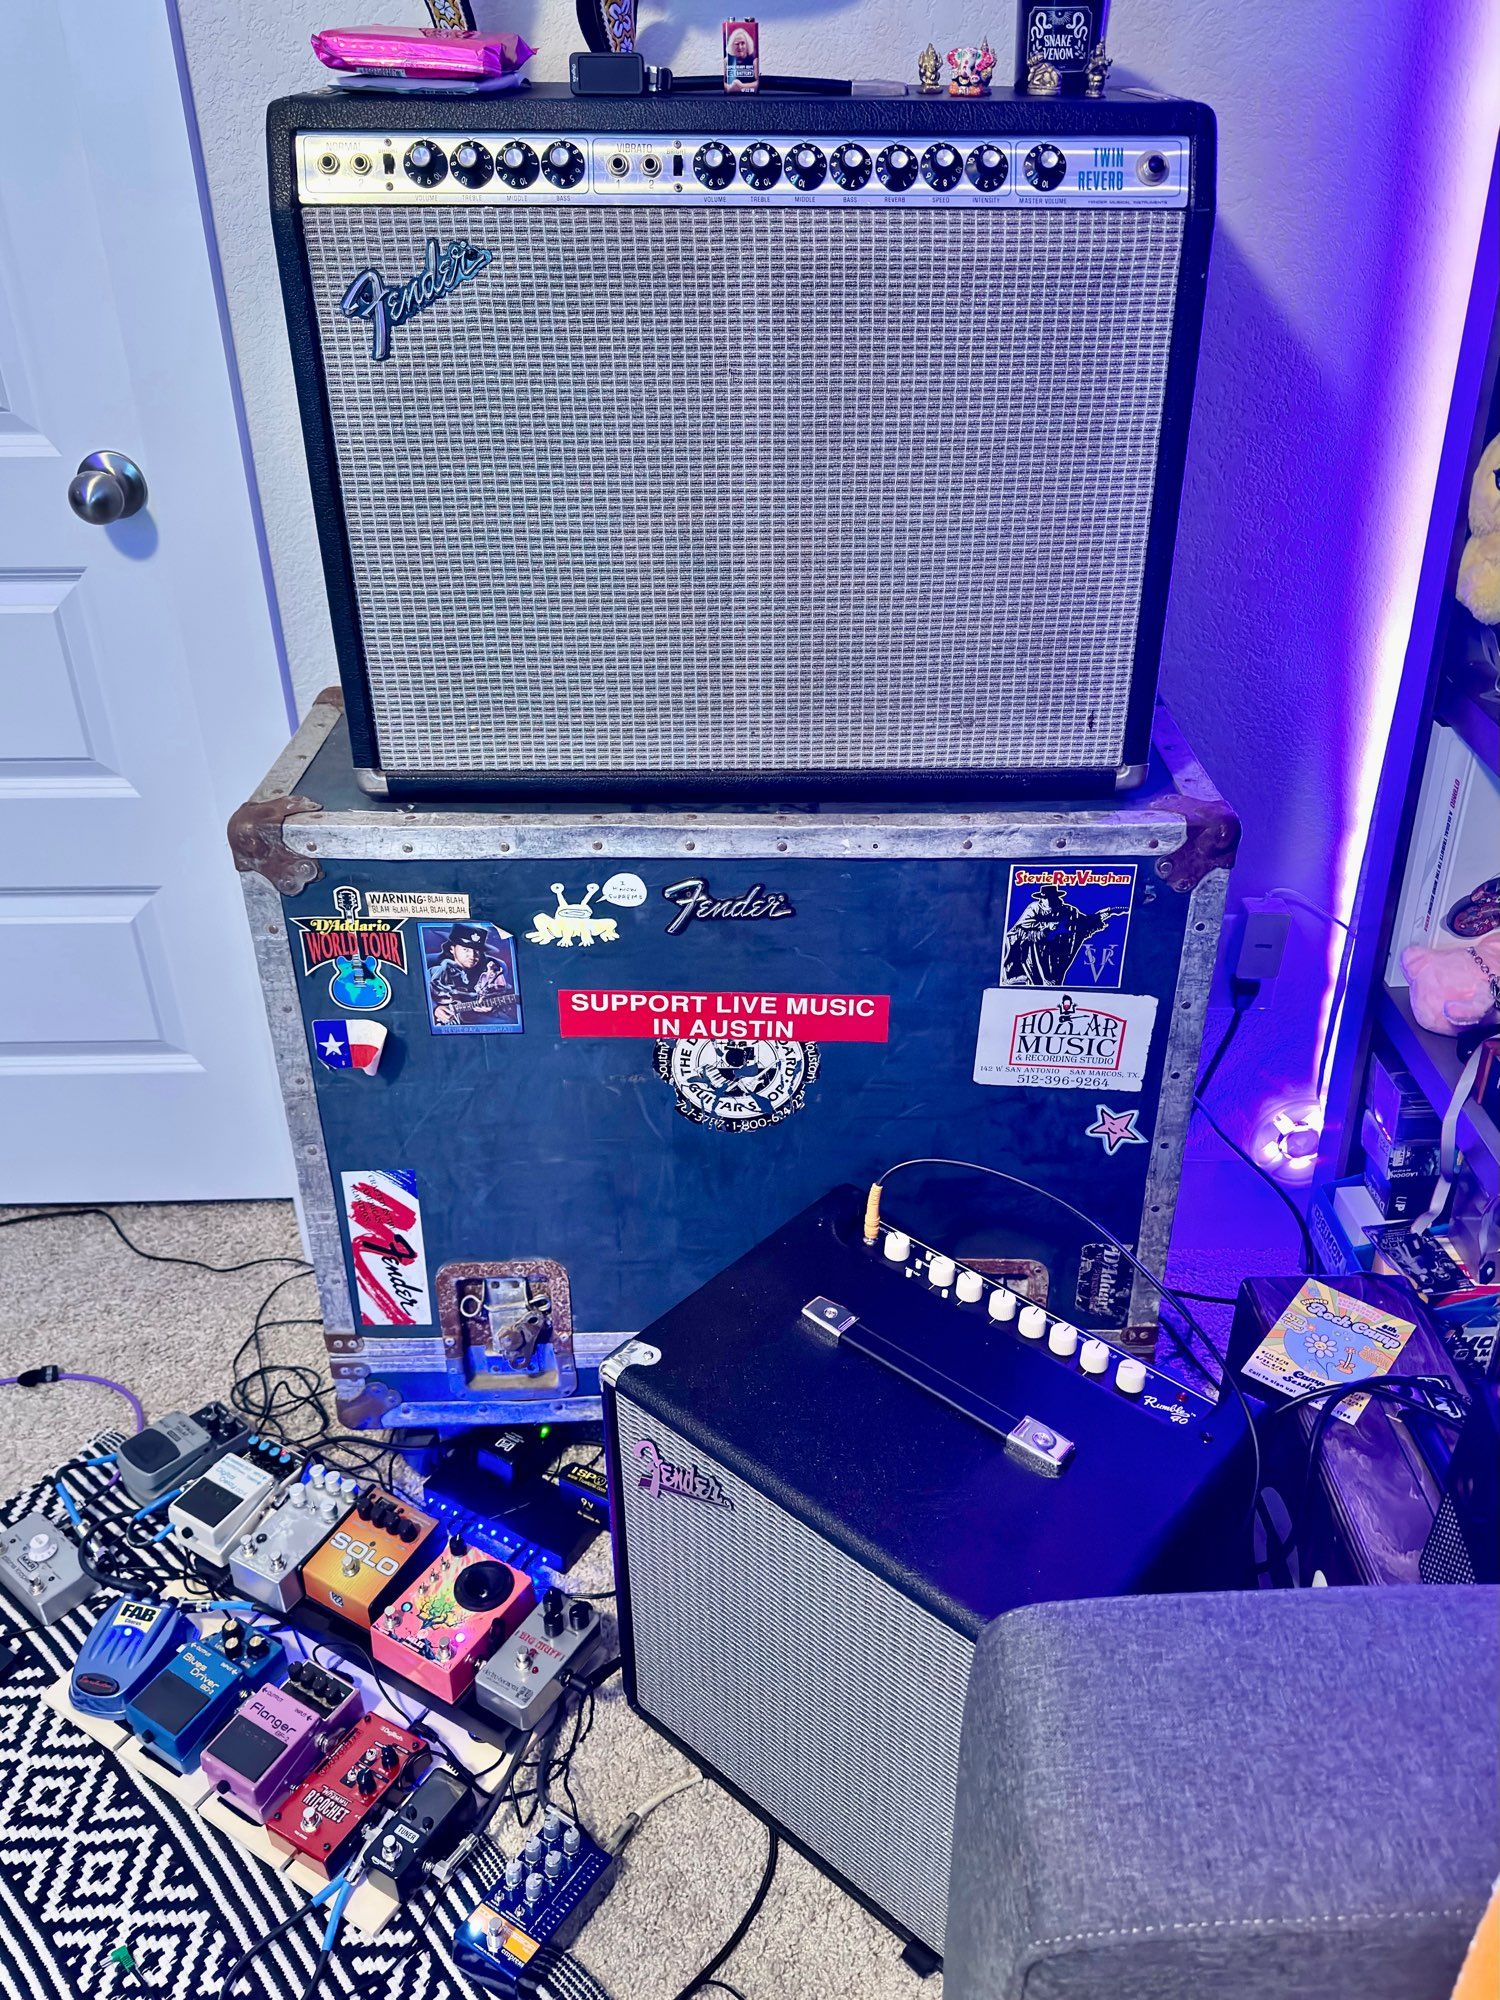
x=72, y=1294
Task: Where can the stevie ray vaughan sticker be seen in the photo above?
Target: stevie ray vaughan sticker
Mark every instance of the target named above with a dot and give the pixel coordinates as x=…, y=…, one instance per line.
x=1064, y=1041
x=384, y=1219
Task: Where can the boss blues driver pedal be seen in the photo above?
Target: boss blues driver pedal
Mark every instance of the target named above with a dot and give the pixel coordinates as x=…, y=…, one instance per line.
x=443, y=1624
x=176, y=1713
x=361, y=1566
x=129, y=1645
x=278, y=1735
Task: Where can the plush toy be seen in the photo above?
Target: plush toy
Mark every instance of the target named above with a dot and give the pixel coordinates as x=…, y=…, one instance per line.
x=1454, y=989
x=1478, y=586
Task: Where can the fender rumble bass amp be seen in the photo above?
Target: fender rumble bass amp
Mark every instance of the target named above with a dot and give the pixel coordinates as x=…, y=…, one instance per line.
x=830, y=1469
x=764, y=445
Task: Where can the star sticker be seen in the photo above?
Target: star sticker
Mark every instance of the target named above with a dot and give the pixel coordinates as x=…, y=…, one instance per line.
x=332, y=1046
x=1114, y=1128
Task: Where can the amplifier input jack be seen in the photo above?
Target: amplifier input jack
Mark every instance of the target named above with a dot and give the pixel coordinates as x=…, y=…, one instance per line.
x=1152, y=169
x=618, y=165
x=328, y=163
x=650, y=165
x=360, y=163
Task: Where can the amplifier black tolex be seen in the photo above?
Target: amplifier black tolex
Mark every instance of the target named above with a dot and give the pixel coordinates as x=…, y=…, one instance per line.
x=830, y=1469
x=777, y=445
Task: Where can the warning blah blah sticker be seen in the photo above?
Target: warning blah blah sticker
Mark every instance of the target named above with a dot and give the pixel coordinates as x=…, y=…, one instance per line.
x=1084, y=1040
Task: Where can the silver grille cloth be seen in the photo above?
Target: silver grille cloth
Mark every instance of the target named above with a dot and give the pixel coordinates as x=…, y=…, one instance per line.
x=822, y=1693
x=774, y=488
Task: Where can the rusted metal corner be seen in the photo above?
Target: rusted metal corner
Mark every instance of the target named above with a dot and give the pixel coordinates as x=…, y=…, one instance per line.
x=256, y=837
x=1212, y=829
x=1211, y=840
x=255, y=840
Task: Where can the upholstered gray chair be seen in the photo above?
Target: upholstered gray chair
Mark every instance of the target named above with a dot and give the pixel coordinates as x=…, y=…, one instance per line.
x=1274, y=1795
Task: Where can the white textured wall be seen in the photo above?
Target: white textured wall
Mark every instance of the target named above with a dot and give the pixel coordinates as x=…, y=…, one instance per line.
x=1344, y=126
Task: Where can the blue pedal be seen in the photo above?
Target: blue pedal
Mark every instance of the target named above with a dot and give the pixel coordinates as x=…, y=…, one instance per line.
x=195, y=1694
x=545, y=1897
x=130, y=1644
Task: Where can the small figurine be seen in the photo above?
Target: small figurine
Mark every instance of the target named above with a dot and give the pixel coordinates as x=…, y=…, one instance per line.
x=930, y=71
x=1042, y=80
x=972, y=70
x=1100, y=65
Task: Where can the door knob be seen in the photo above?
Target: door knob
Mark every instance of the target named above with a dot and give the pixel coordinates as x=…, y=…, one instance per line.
x=107, y=487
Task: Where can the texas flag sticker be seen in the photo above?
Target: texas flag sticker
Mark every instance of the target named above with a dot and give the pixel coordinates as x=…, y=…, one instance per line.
x=349, y=1044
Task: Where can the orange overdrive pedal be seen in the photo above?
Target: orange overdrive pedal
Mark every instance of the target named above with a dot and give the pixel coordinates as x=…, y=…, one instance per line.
x=324, y=1818
x=441, y=1626
x=368, y=1558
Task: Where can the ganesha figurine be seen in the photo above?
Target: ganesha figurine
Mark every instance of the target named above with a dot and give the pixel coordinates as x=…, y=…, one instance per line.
x=972, y=70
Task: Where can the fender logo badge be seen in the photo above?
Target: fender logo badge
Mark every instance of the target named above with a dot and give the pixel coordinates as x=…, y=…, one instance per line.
x=389, y=306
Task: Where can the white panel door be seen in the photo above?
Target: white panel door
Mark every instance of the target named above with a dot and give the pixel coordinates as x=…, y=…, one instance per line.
x=141, y=694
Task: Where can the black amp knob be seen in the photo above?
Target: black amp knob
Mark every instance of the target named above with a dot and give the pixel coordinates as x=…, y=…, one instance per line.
x=942, y=168
x=517, y=165
x=425, y=163
x=1045, y=167
x=760, y=166
x=713, y=165
x=987, y=168
x=562, y=164
x=806, y=168
x=850, y=166
x=473, y=165
x=897, y=168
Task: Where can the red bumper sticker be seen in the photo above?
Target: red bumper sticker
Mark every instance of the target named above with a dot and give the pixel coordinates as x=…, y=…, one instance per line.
x=668, y=1014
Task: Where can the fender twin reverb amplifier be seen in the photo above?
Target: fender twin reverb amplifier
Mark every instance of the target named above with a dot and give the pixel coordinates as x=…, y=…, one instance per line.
x=777, y=444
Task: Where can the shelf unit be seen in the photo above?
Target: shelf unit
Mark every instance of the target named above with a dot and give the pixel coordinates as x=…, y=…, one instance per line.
x=1445, y=677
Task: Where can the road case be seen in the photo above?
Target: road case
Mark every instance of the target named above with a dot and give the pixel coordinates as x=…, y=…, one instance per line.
x=547, y=1071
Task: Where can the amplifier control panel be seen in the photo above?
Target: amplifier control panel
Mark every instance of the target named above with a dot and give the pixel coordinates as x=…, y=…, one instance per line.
x=498, y=168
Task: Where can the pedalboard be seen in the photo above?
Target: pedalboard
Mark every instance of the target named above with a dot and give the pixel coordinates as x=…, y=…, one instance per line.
x=130, y=1644
x=167, y=1453
x=428, y=1825
x=211, y=1514
x=443, y=1624
x=195, y=1693
x=517, y=1515
x=266, y=1562
x=278, y=1734
x=39, y=1568
x=545, y=1897
x=362, y=1565
x=524, y=1676
x=324, y=1819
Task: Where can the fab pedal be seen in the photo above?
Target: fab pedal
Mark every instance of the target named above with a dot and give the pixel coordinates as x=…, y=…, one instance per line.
x=266, y=1562
x=362, y=1565
x=279, y=1734
x=324, y=1818
x=210, y=1515
x=445, y=1623
x=546, y=1895
x=195, y=1693
x=130, y=1644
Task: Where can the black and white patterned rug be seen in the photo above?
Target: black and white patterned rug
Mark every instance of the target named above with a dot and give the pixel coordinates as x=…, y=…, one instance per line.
x=93, y=1856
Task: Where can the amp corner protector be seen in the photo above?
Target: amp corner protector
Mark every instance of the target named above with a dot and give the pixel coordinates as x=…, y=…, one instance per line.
x=256, y=840
x=1211, y=838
